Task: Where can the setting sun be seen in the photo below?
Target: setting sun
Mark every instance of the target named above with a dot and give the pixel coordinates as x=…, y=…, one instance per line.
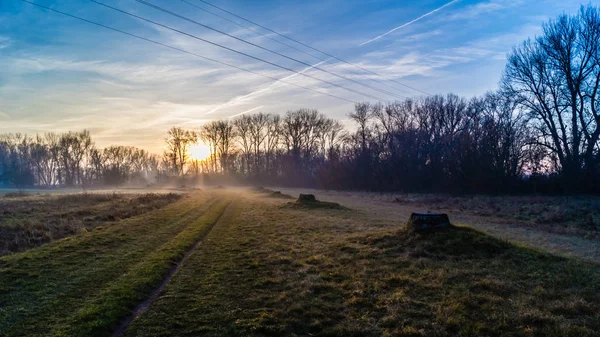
x=199, y=151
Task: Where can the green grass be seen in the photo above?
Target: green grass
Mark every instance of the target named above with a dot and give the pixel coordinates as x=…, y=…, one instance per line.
x=86, y=284
x=273, y=271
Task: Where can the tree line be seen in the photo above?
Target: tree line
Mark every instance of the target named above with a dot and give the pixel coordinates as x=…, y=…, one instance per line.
x=435, y=143
x=538, y=132
x=71, y=159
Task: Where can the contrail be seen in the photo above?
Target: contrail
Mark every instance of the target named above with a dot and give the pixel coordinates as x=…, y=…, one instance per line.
x=245, y=112
x=233, y=101
x=408, y=23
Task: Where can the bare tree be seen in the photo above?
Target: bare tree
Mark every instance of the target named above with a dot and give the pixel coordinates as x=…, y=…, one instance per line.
x=556, y=78
x=242, y=125
x=225, y=141
x=210, y=135
x=272, y=140
x=178, y=142
x=361, y=116
x=258, y=134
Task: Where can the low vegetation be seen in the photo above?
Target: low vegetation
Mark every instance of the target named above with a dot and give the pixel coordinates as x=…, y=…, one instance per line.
x=29, y=221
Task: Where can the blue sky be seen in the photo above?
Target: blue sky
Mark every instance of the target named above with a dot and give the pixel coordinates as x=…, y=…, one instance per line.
x=59, y=74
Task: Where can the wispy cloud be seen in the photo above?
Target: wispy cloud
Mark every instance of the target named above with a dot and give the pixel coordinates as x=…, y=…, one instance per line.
x=263, y=90
x=130, y=72
x=247, y=111
x=5, y=42
x=483, y=8
x=421, y=36
x=408, y=23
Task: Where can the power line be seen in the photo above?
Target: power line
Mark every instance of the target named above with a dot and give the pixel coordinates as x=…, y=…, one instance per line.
x=233, y=50
x=182, y=50
x=255, y=31
x=308, y=46
x=263, y=48
x=250, y=29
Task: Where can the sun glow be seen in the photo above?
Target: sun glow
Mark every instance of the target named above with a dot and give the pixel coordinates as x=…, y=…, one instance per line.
x=199, y=151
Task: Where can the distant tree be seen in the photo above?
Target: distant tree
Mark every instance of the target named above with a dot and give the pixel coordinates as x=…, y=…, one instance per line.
x=211, y=135
x=242, y=126
x=226, y=134
x=361, y=116
x=272, y=141
x=178, y=142
x=258, y=133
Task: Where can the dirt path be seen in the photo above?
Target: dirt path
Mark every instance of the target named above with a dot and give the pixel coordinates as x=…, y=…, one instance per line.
x=382, y=209
x=142, y=307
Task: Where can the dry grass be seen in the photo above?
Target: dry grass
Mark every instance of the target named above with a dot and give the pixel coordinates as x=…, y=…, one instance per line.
x=30, y=221
x=578, y=216
x=561, y=238
x=16, y=194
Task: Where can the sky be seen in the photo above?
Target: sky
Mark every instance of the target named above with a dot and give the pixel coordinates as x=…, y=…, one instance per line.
x=59, y=74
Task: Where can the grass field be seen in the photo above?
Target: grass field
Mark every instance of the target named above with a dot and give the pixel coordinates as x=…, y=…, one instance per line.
x=30, y=220
x=261, y=265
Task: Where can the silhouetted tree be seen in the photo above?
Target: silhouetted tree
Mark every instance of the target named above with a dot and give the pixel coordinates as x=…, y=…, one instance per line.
x=556, y=78
x=178, y=142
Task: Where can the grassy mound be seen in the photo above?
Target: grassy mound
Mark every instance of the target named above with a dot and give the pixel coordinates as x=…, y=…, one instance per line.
x=260, y=189
x=279, y=195
x=308, y=201
x=449, y=242
x=458, y=281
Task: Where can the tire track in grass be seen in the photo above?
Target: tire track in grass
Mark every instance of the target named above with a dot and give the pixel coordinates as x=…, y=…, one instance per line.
x=142, y=307
x=38, y=285
x=103, y=314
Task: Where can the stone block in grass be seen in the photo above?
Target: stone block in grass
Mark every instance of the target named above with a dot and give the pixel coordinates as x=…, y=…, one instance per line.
x=307, y=198
x=428, y=221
